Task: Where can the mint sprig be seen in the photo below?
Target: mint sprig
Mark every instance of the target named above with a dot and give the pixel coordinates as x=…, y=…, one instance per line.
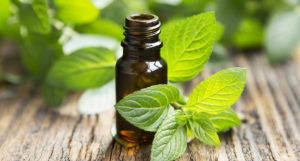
x=160, y=108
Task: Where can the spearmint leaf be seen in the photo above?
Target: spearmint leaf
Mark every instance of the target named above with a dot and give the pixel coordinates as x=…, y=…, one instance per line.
x=147, y=108
x=225, y=120
x=53, y=96
x=182, y=120
x=188, y=45
x=282, y=36
x=76, y=11
x=102, y=27
x=83, y=69
x=39, y=52
x=4, y=12
x=230, y=13
x=170, y=139
x=249, y=34
x=218, y=92
x=35, y=17
x=203, y=129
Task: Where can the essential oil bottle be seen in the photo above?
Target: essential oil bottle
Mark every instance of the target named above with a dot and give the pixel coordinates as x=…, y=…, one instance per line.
x=140, y=66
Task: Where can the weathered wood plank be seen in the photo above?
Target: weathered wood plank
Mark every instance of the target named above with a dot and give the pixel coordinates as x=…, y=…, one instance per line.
x=269, y=109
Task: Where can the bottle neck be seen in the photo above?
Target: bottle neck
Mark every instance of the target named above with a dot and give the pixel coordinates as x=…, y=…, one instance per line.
x=141, y=37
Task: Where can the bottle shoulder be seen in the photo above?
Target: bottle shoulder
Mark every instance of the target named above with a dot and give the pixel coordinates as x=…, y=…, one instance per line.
x=140, y=66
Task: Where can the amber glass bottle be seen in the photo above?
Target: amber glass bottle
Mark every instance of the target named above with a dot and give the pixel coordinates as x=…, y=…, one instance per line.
x=140, y=66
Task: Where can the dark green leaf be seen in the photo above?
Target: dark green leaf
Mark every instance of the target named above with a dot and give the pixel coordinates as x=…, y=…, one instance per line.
x=52, y=95
x=249, y=34
x=38, y=53
x=230, y=13
x=35, y=17
x=85, y=68
x=147, y=108
x=170, y=139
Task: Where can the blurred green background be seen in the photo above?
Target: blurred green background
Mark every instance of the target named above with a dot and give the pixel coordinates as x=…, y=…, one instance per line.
x=35, y=34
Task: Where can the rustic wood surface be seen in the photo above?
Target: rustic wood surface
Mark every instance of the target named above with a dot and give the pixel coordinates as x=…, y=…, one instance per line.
x=269, y=109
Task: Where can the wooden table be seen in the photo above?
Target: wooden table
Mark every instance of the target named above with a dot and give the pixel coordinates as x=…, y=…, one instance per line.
x=269, y=109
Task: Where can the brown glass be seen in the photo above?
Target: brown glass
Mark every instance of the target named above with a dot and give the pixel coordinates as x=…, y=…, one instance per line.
x=140, y=66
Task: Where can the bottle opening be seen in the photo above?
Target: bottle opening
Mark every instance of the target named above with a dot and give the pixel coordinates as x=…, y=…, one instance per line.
x=142, y=17
x=141, y=22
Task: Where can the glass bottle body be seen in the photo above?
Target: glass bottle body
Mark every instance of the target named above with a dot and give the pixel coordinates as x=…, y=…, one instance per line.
x=140, y=66
x=133, y=75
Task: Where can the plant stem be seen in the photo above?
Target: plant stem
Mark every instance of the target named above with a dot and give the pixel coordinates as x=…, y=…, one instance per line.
x=176, y=105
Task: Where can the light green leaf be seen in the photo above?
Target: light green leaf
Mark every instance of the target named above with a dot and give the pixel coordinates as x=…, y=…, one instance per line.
x=282, y=36
x=76, y=11
x=218, y=92
x=83, y=69
x=35, y=17
x=102, y=27
x=225, y=120
x=170, y=140
x=4, y=12
x=53, y=96
x=188, y=45
x=202, y=128
x=147, y=108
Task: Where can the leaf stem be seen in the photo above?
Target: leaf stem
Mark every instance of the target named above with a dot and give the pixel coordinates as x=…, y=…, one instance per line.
x=176, y=105
x=181, y=101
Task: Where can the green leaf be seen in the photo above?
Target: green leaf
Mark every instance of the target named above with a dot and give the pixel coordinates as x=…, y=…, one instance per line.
x=282, y=36
x=115, y=11
x=85, y=68
x=38, y=53
x=52, y=95
x=188, y=45
x=4, y=12
x=225, y=120
x=102, y=27
x=182, y=120
x=76, y=11
x=170, y=140
x=219, y=31
x=147, y=108
x=249, y=34
x=230, y=13
x=203, y=129
x=218, y=92
x=35, y=17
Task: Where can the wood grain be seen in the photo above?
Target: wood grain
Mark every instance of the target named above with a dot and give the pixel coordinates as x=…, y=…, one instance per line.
x=269, y=109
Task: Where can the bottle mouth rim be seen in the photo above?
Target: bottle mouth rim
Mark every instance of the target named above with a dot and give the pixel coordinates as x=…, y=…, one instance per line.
x=141, y=22
x=143, y=18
